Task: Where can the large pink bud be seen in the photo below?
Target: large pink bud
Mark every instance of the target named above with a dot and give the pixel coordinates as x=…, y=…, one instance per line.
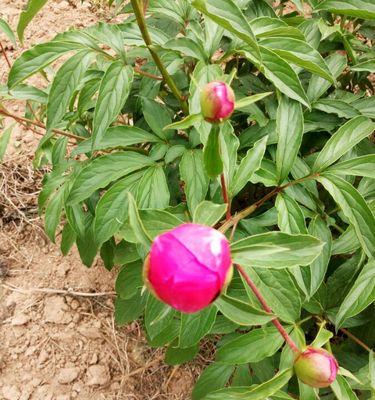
x=316, y=367
x=188, y=267
x=217, y=101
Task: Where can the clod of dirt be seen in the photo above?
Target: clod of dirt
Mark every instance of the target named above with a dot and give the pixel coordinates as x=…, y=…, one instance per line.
x=67, y=375
x=20, y=319
x=56, y=310
x=98, y=375
x=11, y=393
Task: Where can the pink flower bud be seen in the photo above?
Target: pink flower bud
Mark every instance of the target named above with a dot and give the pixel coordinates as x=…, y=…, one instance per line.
x=217, y=101
x=316, y=367
x=188, y=267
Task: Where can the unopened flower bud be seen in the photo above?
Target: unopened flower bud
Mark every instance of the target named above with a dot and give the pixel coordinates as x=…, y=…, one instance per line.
x=217, y=101
x=188, y=267
x=316, y=367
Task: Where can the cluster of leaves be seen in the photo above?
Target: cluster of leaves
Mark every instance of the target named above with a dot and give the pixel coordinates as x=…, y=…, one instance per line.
x=127, y=163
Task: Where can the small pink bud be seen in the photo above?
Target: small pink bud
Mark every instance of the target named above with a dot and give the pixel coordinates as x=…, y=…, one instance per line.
x=217, y=101
x=188, y=267
x=316, y=367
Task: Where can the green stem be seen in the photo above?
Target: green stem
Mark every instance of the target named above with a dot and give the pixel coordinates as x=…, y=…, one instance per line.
x=138, y=12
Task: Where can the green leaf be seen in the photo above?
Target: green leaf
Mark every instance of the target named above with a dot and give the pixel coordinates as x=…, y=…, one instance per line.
x=366, y=66
x=32, y=8
x=112, y=208
x=4, y=26
x=279, y=290
x=246, y=101
x=157, y=117
x=64, y=84
x=117, y=137
x=113, y=91
x=323, y=336
x=53, y=213
x=185, y=123
x=276, y=250
x=126, y=253
x=317, y=270
x=211, y=153
x=249, y=164
x=136, y=223
x=153, y=191
x=359, y=166
x=256, y=392
x=195, y=178
x=346, y=137
x=214, y=377
x=26, y=92
x=354, y=208
x=227, y=14
x=240, y=312
x=129, y=280
x=177, y=356
x=274, y=27
x=4, y=141
x=346, y=243
x=208, y=213
x=129, y=310
x=299, y=53
x=364, y=9
x=338, y=107
x=158, y=315
x=290, y=216
x=318, y=85
x=195, y=326
x=68, y=237
x=188, y=47
x=103, y=170
x=342, y=389
x=289, y=127
x=361, y=295
x=37, y=58
x=259, y=344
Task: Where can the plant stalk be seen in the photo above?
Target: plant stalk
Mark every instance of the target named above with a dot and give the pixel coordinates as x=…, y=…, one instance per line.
x=139, y=15
x=290, y=342
x=225, y=196
x=5, y=55
x=355, y=339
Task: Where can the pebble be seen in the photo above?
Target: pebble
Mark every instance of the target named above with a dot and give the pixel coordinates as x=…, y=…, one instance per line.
x=11, y=393
x=67, y=375
x=97, y=375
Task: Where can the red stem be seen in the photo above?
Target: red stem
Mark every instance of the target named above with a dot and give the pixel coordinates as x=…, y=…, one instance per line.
x=225, y=196
x=5, y=55
x=268, y=309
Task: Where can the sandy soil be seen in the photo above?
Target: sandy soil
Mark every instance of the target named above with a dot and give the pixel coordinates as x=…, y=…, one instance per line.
x=55, y=345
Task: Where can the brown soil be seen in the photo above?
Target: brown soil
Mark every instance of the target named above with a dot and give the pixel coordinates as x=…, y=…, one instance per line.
x=55, y=345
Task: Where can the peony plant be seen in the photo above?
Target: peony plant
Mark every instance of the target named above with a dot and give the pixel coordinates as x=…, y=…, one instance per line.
x=220, y=154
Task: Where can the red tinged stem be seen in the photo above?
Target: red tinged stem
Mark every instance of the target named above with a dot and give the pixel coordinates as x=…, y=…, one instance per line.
x=225, y=196
x=268, y=309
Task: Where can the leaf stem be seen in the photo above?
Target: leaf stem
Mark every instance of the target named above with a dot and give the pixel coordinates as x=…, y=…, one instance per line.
x=250, y=209
x=139, y=15
x=290, y=342
x=355, y=339
x=224, y=191
x=39, y=124
x=5, y=55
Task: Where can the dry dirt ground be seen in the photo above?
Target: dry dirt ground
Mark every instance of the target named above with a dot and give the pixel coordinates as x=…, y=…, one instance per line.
x=54, y=345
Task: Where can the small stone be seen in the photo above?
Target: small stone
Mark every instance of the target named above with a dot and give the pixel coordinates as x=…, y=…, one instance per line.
x=67, y=375
x=74, y=304
x=89, y=332
x=11, y=393
x=55, y=310
x=43, y=357
x=20, y=319
x=94, y=359
x=98, y=375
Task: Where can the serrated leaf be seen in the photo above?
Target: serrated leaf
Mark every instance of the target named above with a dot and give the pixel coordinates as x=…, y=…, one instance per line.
x=249, y=164
x=276, y=250
x=103, y=170
x=26, y=16
x=113, y=91
x=361, y=295
x=64, y=84
x=208, y=213
x=289, y=128
x=240, y=312
x=345, y=138
x=354, y=208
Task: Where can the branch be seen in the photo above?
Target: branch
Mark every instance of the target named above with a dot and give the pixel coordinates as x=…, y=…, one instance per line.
x=268, y=309
x=225, y=196
x=138, y=12
x=148, y=74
